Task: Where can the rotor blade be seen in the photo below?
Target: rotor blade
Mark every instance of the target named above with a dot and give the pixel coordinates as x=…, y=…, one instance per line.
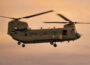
x=56, y=22
x=67, y=22
x=38, y=14
x=7, y=17
x=81, y=23
x=64, y=17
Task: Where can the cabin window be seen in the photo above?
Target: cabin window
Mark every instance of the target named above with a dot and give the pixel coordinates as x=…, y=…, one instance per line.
x=33, y=33
x=45, y=33
x=26, y=34
x=64, y=32
x=54, y=33
x=72, y=30
x=15, y=28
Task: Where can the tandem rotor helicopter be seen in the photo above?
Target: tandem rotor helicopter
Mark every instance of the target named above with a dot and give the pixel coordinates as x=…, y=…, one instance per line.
x=19, y=31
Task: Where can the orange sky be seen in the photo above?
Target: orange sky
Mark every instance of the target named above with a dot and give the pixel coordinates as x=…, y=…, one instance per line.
x=73, y=53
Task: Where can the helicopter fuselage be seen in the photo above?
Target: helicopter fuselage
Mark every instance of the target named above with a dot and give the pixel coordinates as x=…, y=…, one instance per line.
x=44, y=35
x=20, y=32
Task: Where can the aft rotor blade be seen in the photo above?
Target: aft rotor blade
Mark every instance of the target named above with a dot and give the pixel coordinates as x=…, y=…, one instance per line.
x=7, y=17
x=38, y=14
x=81, y=23
x=67, y=22
x=64, y=17
x=56, y=22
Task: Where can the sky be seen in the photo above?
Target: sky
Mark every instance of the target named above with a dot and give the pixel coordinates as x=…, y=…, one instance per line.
x=73, y=53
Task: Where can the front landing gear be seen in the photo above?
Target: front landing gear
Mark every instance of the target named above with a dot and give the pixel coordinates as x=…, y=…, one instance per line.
x=54, y=44
x=19, y=43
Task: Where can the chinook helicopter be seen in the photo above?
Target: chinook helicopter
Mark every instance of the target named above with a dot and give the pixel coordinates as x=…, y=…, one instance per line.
x=20, y=31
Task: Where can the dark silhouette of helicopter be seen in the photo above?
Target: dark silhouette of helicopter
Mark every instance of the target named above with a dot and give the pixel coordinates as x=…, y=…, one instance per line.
x=19, y=31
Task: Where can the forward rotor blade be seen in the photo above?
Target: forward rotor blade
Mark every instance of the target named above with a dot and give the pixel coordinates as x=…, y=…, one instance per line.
x=38, y=14
x=28, y=16
x=7, y=17
x=56, y=22
x=64, y=17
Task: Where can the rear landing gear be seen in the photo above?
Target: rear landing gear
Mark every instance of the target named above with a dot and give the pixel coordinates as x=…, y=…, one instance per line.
x=54, y=44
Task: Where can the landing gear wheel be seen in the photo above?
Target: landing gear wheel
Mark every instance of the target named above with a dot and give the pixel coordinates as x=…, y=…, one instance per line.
x=23, y=45
x=19, y=43
x=51, y=43
x=55, y=45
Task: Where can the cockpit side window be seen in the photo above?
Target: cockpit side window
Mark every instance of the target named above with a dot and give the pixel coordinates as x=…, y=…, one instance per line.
x=64, y=32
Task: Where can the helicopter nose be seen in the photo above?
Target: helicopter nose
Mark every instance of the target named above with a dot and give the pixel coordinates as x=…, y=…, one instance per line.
x=78, y=35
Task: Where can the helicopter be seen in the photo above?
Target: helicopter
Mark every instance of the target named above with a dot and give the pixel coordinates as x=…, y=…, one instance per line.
x=20, y=31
